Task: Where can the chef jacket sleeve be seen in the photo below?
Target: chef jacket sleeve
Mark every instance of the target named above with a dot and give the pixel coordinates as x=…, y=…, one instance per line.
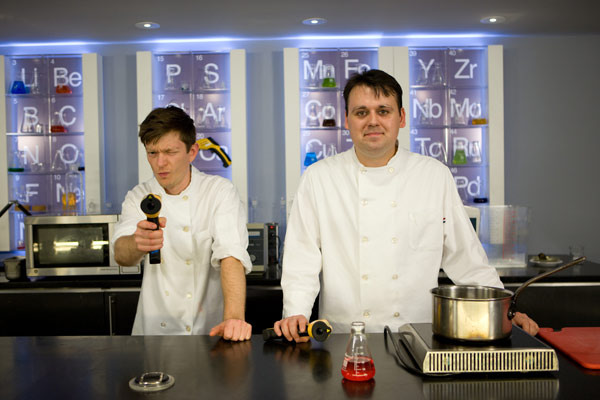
x=463, y=259
x=228, y=228
x=302, y=259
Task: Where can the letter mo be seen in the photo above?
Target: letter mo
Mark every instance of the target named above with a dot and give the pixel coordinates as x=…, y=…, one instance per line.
x=466, y=109
x=62, y=77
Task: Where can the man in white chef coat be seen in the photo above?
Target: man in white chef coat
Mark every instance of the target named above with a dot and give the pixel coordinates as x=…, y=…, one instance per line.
x=200, y=285
x=370, y=227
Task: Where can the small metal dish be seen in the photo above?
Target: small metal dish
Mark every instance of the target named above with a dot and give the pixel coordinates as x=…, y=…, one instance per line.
x=151, y=382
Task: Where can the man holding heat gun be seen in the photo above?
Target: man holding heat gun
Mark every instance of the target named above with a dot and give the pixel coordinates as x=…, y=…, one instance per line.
x=195, y=281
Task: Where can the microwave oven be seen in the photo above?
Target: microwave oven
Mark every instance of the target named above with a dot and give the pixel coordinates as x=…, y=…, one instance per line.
x=263, y=245
x=70, y=245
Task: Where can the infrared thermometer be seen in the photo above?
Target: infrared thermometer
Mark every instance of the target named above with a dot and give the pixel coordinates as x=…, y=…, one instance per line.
x=151, y=207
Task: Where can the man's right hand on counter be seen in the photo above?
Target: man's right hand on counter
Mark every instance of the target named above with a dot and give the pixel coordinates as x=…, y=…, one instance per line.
x=291, y=326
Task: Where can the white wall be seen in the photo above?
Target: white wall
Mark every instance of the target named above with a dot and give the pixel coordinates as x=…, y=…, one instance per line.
x=551, y=125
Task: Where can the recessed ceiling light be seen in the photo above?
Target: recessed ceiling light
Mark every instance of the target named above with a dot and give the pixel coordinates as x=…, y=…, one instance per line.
x=314, y=21
x=147, y=25
x=496, y=19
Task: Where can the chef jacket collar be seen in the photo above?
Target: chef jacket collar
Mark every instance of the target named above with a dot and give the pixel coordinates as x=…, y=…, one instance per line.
x=163, y=192
x=398, y=160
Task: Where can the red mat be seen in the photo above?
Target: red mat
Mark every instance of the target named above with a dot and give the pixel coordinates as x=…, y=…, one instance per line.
x=580, y=344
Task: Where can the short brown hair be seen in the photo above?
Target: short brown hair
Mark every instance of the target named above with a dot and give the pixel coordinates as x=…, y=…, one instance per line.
x=376, y=80
x=161, y=121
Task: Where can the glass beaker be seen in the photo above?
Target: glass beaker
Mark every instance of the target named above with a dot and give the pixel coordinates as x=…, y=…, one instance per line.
x=358, y=363
x=16, y=161
x=425, y=117
x=329, y=76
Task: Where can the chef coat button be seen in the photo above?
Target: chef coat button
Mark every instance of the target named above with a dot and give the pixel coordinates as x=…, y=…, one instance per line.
x=394, y=240
x=363, y=171
x=188, y=262
x=166, y=292
x=365, y=277
x=393, y=204
x=163, y=325
x=185, y=197
x=364, y=202
x=396, y=314
x=188, y=328
x=364, y=239
x=395, y=276
x=189, y=295
x=391, y=170
x=186, y=228
x=366, y=314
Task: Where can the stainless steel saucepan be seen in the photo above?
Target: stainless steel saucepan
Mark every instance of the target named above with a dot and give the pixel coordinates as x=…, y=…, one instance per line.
x=479, y=313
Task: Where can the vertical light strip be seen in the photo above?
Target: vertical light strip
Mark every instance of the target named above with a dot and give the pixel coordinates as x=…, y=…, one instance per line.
x=93, y=128
x=239, y=165
x=144, y=101
x=291, y=89
x=4, y=221
x=496, y=124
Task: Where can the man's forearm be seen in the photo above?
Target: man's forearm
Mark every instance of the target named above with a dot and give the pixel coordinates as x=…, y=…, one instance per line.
x=233, y=282
x=126, y=252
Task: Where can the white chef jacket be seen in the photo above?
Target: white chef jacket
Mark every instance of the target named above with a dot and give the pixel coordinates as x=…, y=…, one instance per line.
x=205, y=223
x=374, y=239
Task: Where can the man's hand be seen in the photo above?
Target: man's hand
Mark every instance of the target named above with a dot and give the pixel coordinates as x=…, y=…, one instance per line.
x=526, y=323
x=291, y=326
x=232, y=329
x=147, y=238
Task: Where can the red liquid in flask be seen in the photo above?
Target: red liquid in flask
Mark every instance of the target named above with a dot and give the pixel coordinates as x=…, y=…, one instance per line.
x=358, y=369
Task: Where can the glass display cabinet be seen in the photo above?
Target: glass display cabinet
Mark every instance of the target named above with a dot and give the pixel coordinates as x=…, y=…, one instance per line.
x=453, y=99
x=211, y=88
x=52, y=128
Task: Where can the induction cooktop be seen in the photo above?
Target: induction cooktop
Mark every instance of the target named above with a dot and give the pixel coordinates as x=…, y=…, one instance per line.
x=520, y=352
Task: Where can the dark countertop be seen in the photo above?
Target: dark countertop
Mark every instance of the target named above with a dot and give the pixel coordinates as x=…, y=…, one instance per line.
x=204, y=367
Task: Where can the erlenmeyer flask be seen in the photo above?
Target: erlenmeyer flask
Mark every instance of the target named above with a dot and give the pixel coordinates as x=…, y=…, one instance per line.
x=436, y=77
x=310, y=158
x=475, y=152
x=200, y=118
x=222, y=117
x=58, y=163
x=312, y=120
x=422, y=77
x=328, y=115
x=27, y=125
x=460, y=157
x=358, y=363
x=329, y=79
x=425, y=118
x=57, y=124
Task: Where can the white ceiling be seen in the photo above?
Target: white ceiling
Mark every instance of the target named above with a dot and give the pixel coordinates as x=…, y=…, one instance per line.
x=34, y=21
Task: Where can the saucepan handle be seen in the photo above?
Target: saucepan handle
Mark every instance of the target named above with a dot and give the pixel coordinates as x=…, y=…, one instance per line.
x=512, y=309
